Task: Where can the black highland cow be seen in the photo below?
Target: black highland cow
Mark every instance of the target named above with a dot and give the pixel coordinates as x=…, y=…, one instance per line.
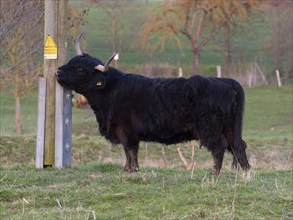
x=131, y=108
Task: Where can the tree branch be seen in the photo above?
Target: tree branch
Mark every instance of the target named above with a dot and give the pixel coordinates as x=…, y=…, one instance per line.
x=21, y=37
x=20, y=61
x=9, y=24
x=216, y=30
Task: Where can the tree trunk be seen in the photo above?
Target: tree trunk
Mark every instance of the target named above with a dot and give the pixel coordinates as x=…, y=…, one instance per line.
x=227, y=50
x=195, y=64
x=18, y=114
x=113, y=32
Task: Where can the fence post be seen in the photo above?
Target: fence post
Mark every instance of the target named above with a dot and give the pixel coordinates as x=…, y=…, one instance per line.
x=52, y=103
x=278, y=78
x=180, y=72
x=249, y=80
x=50, y=64
x=41, y=122
x=261, y=73
x=63, y=127
x=219, y=72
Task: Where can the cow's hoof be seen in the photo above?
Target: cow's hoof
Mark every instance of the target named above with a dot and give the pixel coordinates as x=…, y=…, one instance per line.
x=235, y=168
x=215, y=172
x=246, y=167
x=126, y=168
x=131, y=170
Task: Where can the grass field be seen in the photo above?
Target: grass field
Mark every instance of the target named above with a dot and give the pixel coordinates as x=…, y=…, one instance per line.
x=97, y=188
x=103, y=191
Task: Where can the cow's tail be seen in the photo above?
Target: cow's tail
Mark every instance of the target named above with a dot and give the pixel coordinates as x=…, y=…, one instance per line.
x=239, y=144
x=238, y=124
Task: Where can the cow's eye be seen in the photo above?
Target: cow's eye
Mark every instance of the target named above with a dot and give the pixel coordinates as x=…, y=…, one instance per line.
x=80, y=70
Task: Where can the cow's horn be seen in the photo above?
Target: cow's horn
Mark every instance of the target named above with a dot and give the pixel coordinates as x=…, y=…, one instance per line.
x=106, y=67
x=77, y=45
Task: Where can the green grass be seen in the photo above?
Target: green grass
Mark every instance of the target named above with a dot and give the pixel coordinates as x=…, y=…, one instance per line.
x=7, y=113
x=104, y=191
x=268, y=113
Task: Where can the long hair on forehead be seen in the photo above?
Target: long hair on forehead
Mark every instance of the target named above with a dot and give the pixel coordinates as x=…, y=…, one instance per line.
x=86, y=61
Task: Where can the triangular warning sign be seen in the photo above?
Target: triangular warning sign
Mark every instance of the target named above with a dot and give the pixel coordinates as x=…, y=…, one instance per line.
x=50, y=49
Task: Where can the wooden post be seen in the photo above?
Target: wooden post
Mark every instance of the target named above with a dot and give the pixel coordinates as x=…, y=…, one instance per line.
x=219, y=72
x=50, y=134
x=50, y=65
x=180, y=72
x=249, y=80
x=261, y=74
x=41, y=122
x=278, y=78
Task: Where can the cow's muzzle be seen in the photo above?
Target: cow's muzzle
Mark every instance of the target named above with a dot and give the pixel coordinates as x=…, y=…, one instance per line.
x=58, y=73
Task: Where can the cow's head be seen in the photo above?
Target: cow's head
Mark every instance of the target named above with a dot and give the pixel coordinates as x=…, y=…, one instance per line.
x=83, y=72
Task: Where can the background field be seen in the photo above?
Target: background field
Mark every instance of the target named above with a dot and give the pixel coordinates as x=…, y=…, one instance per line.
x=250, y=42
x=267, y=130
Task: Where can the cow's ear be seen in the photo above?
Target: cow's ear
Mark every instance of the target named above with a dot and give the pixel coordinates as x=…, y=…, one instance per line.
x=99, y=82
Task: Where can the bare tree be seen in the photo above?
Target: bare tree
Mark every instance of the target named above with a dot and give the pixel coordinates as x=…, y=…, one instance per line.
x=21, y=40
x=115, y=11
x=76, y=19
x=199, y=21
x=21, y=37
x=227, y=49
x=280, y=42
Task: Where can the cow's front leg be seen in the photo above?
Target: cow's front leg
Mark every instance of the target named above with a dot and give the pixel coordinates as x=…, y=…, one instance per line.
x=131, y=151
x=127, y=164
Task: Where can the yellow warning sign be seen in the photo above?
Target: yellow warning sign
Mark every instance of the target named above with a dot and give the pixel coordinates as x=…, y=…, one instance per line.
x=50, y=49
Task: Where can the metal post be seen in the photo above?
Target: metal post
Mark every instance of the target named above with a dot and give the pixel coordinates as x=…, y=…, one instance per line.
x=67, y=137
x=63, y=137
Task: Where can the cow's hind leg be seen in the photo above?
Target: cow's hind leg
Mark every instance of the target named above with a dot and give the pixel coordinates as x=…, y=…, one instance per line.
x=239, y=154
x=234, y=165
x=229, y=136
x=227, y=145
x=242, y=157
x=218, y=155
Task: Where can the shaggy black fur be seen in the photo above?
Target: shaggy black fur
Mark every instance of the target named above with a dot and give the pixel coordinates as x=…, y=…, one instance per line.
x=131, y=108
